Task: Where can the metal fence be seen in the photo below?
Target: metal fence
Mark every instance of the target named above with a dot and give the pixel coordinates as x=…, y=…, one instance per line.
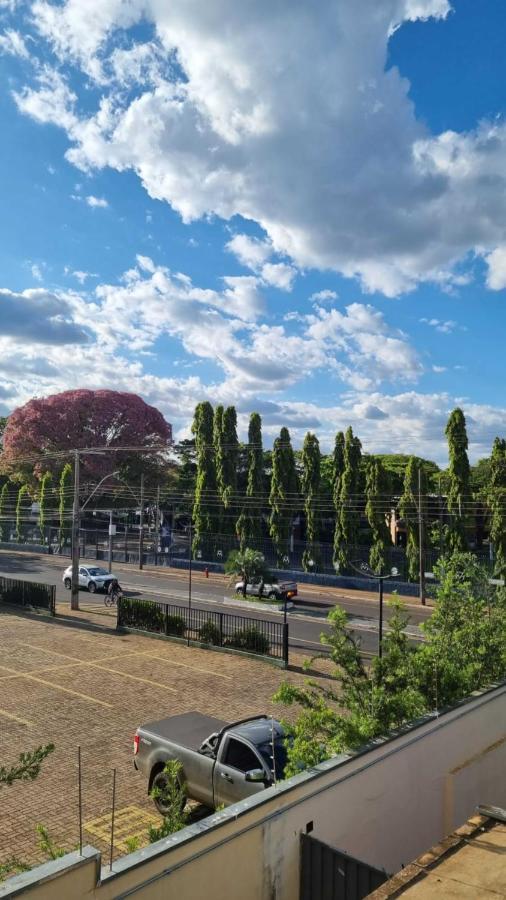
x=330, y=874
x=28, y=593
x=214, y=629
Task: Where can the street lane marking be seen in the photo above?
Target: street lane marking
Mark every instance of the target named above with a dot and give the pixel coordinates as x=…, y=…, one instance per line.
x=171, y=662
x=8, y=715
x=78, y=662
x=58, y=687
x=134, y=677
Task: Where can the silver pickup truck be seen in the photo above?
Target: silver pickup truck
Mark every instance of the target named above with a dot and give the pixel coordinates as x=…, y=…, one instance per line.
x=222, y=763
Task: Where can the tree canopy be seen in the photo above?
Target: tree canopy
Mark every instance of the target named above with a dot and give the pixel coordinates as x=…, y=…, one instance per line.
x=82, y=419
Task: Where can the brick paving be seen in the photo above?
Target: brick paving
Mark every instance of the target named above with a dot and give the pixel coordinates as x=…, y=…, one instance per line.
x=74, y=682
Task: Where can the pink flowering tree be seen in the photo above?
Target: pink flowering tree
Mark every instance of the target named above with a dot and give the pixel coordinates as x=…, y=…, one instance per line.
x=85, y=419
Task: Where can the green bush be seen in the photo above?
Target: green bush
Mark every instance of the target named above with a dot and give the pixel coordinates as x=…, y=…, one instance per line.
x=209, y=633
x=143, y=614
x=176, y=625
x=250, y=639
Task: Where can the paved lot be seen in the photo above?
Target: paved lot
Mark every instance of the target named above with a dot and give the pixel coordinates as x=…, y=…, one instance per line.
x=76, y=684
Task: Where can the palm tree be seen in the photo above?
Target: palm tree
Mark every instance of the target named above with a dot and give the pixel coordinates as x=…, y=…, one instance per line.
x=248, y=564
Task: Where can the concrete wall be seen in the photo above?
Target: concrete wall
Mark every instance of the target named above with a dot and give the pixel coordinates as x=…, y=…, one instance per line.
x=384, y=805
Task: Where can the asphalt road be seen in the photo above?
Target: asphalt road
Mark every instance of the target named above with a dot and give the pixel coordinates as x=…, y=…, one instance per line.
x=306, y=621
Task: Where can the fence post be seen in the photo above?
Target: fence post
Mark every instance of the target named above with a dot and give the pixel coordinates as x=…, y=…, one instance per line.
x=96, y=544
x=285, y=644
x=221, y=629
x=166, y=619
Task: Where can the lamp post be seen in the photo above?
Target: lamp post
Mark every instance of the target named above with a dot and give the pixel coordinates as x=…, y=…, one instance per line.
x=365, y=569
x=76, y=518
x=190, y=556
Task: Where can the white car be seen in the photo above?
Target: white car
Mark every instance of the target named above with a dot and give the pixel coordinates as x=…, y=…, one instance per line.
x=92, y=577
x=271, y=590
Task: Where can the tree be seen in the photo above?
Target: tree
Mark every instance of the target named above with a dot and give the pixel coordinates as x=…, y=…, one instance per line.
x=408, y=508
x=23, y=507
x=82, y=419
x=459, y=480
x=45, y=492
x=248, y=564
x=218, y=463
x=282, y=495
x=249, y=527
x=375, y=510
x=465, y=650
x=228, y=468
x=4, y=497
x=28, y=766
x=204, y=506
x=347, y=514
x=465, y=646
x=311, y=462
x=496, y=495
x=65, y=499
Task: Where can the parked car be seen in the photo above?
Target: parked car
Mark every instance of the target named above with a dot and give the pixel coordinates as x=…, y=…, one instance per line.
x=273, y=590
x=222, y=763
x=93, y=578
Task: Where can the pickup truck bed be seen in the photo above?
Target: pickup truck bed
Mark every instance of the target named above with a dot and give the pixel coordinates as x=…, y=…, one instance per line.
x=189, y=729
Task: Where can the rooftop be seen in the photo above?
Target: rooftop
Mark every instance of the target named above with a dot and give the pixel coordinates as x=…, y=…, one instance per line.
x=468, y=864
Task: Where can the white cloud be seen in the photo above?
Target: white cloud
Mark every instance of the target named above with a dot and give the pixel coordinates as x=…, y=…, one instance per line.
x=79, y=274
x=251, y=252
x=279, y=275
x=439, y=369
x=96, y=202
x=325, y=296
x=328, y=158
x=36, y=272
x=12, y=43
x=496, y=276
x=444, y=327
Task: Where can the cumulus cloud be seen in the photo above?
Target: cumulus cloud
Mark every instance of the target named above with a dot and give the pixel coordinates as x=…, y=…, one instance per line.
x=325, y=296
x=328, y=158
x=39, y=317
x=496, y=262
x=96, y=202
x=444, y=327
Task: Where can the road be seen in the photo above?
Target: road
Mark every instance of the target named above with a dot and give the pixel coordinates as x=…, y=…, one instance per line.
x=306, y=620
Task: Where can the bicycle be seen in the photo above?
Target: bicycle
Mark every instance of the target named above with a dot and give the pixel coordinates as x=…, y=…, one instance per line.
x=112, y=598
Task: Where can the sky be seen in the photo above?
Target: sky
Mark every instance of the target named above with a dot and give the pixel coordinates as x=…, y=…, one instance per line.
x=297, y=208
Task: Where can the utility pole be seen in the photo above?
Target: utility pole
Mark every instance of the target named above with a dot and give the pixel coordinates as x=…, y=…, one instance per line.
x=380, y=623
x=74, y=597
x=420, y=538
x=110, y=540
x=157, y=525
x=141, y=524
x=190, y=556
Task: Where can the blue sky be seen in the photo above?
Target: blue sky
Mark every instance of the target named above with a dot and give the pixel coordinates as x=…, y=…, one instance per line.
x=299, y=209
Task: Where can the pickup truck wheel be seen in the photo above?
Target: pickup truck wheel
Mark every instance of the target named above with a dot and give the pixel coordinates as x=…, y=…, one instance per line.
x=92, y=587
x=160, y=783
x=68, y=583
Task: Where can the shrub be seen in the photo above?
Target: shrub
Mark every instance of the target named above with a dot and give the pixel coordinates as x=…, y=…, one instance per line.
x=209, y=633
x=143, y=614
x=175, y=625
x=250, y=639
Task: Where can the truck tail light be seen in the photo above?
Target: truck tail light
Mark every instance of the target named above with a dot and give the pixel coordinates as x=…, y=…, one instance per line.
x=136, y=744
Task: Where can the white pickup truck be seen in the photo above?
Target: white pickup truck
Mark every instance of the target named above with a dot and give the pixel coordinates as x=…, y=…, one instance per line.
x=275, y=590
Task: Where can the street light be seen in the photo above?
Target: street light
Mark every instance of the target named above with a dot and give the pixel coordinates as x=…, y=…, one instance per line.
x=365, y=569
x=76, y=515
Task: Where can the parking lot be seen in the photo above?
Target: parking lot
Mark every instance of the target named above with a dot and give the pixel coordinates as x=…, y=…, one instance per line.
x=74, y=684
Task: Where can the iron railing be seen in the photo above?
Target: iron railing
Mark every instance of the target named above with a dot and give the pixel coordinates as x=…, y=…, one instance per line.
x=28, y=593
x=211, y=628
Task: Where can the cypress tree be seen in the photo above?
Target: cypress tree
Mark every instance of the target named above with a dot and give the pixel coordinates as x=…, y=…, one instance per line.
x=204, y=504
x=218, y=463
x=22, y=506
x=228, y=474
x=497, y=505
x=311, y=470
x=337, y=466
x=283, y=494
x=458, y=476
x=4, y=496
x=249, y=523
x=65, y=500
x=375, y=510
x=347, y=517
x=408, y=508
x=45, y=491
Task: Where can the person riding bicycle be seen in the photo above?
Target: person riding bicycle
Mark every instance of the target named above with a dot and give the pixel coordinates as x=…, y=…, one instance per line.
x=114, y=589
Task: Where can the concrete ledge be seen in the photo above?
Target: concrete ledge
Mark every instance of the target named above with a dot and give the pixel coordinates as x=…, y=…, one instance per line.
x=18, y=884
